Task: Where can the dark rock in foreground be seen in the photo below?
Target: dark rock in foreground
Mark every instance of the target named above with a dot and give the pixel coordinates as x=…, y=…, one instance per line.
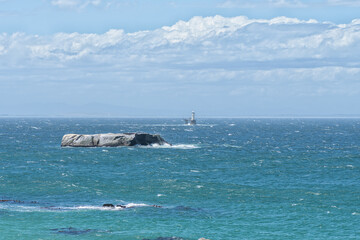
x=111, y=140
x=73, y=231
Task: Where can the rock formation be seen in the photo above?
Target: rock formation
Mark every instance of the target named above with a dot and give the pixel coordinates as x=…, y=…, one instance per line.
x=111, y=140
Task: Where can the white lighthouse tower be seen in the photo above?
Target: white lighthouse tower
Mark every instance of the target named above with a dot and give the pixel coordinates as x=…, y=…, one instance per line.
x=191, y=121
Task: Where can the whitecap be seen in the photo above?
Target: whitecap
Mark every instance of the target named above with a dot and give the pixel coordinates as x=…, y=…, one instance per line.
x=232, y=146
x=314, y=193
x=101, y=208
x=195, y=171
x=88, y=208
x=96, y=208
x=131, y=205
x=176, y=146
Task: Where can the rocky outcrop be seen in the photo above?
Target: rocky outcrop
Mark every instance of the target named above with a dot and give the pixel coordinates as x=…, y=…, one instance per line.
x=111, y=140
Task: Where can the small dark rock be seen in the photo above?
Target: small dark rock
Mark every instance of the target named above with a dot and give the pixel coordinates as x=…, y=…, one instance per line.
x=108, y=205
x=71, y=231
x=121, y=206
x=11, y=200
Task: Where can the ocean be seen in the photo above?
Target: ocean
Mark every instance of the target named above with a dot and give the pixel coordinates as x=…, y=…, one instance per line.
x=222, y=179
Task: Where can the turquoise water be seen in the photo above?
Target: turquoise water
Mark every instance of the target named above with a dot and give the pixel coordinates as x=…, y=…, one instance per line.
x=221, y=179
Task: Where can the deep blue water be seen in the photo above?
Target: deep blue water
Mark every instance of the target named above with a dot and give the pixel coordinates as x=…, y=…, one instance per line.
x=222, y=179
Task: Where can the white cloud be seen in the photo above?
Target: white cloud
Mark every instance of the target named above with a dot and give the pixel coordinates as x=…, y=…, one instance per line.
x=349, y=3
x=287, y=3
x=75, y=3
x=65, y=3
x=262, y=3
x=240, y=54
x=237, y=39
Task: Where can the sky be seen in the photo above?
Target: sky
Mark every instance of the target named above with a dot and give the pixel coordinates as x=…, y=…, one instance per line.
x=142, y=58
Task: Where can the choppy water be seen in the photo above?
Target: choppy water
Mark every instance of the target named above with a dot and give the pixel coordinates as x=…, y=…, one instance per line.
x=221, y=179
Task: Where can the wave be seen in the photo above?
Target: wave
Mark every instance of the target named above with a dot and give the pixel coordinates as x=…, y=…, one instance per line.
x=115, y=207
x=231, y=146
x=22, y=208
x=175, y=146
x=101, y=208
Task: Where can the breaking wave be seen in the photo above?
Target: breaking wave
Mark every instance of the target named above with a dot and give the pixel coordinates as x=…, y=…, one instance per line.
x=175, y=146
x=22, y=208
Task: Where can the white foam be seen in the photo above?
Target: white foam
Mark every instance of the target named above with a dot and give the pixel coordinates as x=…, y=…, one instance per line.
x=88, y=208
x=314, y=193
x=101, y=208
x=176, y=146
x=75, y=208
x=231, y=146
x=129, y=205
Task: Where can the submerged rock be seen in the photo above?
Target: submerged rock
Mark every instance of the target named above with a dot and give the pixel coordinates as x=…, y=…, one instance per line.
x=11, y=200
x=72, y=231
x=111, y=140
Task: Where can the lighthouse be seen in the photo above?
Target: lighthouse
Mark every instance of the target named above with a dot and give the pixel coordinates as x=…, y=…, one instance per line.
x=192, y=120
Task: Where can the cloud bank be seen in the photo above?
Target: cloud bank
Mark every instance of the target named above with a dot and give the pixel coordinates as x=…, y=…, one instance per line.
x=201, y=43
x=287, y=3
x=205, y=56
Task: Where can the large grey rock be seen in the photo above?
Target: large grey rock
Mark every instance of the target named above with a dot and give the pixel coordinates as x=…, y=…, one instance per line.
x=111, y=140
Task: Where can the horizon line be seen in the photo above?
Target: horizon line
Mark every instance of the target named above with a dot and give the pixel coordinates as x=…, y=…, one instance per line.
x=340, y=116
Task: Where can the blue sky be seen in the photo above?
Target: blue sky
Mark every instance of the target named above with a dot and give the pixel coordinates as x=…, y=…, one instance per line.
x=156, y=58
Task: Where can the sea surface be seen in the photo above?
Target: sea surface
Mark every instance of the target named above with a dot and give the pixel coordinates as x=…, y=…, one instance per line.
x=221, y=179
